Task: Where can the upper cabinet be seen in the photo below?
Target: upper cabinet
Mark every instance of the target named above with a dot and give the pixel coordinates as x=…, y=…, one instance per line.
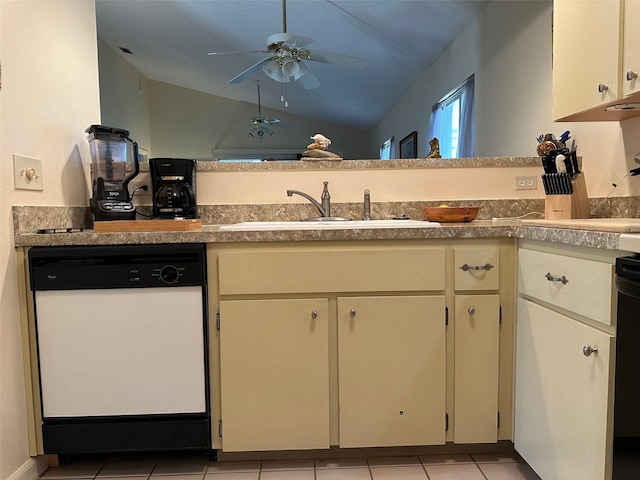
x=631, y=56
x=594, y=52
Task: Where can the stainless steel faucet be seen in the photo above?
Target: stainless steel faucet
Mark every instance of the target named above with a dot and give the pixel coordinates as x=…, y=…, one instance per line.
x=325, y=198
x=367, y=205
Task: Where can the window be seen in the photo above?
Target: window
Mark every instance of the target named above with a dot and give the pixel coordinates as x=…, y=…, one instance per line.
x=387, y=150
x=452, y=122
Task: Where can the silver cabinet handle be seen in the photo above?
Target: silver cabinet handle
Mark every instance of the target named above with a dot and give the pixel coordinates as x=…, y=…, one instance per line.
x=631, y=75
x=486, y=267
x=352, y=313
x=471, y=310
x=552, y=278
x=602, y=88
x=314, y=314
x=587, y=350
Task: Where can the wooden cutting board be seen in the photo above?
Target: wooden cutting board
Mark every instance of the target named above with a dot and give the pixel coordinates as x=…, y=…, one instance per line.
x=184, y=225
x=616, y=225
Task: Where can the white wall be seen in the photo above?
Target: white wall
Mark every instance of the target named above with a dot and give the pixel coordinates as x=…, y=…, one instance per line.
x=124, y=96
x=188, y=124
x=508, y=47
x=49, y=97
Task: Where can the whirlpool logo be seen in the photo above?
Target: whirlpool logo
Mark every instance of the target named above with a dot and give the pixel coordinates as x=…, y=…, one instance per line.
x=52, y=277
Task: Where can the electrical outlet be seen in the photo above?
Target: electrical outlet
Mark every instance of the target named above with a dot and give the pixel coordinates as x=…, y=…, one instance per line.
x=27, y=173
x=529, y=182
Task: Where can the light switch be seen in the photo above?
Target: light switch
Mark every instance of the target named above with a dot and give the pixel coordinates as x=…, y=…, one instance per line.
x=27, y=173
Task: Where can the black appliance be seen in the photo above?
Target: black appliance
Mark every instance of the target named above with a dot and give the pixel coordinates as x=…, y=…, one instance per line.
x=122, y=347
x=173, y=187
x=626, y=430
x=114, y=162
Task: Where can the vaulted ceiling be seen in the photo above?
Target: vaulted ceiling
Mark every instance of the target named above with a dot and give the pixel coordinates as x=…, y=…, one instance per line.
x=399, y=39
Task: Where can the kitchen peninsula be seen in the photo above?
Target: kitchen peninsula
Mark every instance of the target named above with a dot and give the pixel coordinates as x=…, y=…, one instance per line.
x=341, y=276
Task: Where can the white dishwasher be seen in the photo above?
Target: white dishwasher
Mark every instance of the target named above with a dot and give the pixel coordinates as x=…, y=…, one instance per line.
x=122, y=347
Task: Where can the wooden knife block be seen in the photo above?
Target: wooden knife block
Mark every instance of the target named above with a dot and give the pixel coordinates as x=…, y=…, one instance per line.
x=575, y=205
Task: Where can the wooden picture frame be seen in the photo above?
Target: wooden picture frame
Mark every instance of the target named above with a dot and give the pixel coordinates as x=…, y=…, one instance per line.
x=409, y=146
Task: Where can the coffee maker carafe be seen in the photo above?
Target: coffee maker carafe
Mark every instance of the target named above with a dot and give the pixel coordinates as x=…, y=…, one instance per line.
x=114, y=162
x=173, y=187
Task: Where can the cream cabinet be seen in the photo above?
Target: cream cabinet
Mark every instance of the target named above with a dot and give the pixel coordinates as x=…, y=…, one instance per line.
x=565, y=350
x=274, y=358
x=477, y=344
x=476, y=364
x=594, y=46
x=353, y=344
x=391, y=370
x=631, y=55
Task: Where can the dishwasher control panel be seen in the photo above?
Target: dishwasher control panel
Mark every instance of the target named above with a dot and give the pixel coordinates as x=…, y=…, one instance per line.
x=117, y=266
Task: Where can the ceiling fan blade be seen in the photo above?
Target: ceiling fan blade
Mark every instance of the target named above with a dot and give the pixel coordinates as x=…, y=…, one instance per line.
x=292, y=40
x=287, y=125
x=297, y=41
x=249, y=71
x=348, y=61
x=237, y=52
x=308, y=80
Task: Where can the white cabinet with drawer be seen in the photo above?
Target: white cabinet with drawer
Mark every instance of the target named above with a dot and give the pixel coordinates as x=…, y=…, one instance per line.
x=565, y=348
x=579, y=285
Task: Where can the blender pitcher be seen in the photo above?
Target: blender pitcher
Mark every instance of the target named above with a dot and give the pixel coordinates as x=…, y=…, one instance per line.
x=114, y=162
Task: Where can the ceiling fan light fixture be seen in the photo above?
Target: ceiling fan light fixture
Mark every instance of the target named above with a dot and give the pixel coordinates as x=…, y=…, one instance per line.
x=302, y=69
x=291, y=68
x=261, y=131
x=273, y=70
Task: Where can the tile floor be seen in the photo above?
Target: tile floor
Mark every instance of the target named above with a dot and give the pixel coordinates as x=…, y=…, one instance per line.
x=484, y=466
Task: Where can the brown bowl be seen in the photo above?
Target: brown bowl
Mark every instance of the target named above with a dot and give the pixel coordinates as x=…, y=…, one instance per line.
x=450, y=214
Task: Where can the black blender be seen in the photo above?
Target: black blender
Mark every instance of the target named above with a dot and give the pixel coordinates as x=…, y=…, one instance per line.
x=114, y=162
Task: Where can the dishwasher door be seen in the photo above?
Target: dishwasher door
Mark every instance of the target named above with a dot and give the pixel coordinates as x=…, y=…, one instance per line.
x=122, y=347
x=123, y=351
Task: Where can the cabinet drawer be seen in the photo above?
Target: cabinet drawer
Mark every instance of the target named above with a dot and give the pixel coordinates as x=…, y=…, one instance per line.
x=336, y=270
x=477, y=268
x=575, y=284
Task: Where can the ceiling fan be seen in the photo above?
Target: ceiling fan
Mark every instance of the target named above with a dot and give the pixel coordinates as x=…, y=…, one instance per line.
x=261, y=124
x=287, y=55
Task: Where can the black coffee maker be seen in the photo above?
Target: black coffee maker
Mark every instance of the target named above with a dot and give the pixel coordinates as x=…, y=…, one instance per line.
x=173, y=187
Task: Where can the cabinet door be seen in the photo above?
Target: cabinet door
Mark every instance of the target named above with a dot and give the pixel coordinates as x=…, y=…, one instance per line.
x=391, y=371
x=563, y=415
x=274, y=374
x=631, y=57
x=586, y=42
x=477, y=347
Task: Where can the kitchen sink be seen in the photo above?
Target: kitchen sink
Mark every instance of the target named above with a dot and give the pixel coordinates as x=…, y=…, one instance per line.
x=328, y=225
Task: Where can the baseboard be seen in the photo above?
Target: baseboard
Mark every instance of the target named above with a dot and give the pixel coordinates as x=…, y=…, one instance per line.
x=30, y=470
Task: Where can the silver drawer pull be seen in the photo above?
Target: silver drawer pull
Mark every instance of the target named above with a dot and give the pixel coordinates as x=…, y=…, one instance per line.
x=631, y=75
x=602, y=88
x=471, y=310
x=587, y=350
x=314, y=314
x=552, y=278
x=352, y=313
x=466, y=267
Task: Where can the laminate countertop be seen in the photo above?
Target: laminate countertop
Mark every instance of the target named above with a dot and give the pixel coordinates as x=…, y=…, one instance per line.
x=224, y=234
